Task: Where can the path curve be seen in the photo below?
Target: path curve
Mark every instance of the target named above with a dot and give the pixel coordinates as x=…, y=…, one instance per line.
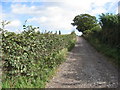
x=85, y=68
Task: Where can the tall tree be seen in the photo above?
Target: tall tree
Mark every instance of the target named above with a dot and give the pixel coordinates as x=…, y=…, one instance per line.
x=84, y=22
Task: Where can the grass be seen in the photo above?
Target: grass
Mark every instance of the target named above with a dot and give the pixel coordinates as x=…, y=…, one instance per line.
x=38, y=82
x=111, y=52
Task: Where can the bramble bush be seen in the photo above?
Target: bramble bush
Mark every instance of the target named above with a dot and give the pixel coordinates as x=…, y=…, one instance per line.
x=33, y=54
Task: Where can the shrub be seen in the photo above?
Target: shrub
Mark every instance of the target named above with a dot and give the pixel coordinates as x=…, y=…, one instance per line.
x=32, y=54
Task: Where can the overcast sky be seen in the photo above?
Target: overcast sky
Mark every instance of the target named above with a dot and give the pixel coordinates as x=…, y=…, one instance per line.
x=52, y=15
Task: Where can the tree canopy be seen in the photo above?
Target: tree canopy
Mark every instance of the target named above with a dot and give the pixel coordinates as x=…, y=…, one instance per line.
x=84, y=22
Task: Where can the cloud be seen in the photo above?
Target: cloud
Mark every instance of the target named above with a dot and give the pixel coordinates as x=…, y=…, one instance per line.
x=54, y=23
x=98, y=11
x=23, y=9
x=14, y=23
x=48, y=17
x=0, y=12
x=41, y=19
x=59, y=14
x=118, y=9
x=14, y=26
x=32, y=0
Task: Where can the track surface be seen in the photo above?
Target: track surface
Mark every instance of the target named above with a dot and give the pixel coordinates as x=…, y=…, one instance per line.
x=85, y=68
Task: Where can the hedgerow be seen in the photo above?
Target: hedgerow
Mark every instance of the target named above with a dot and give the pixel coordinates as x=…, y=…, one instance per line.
x=32, y=55
x=106, y=36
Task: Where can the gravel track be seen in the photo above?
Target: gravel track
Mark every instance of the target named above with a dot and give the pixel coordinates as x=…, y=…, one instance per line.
x=85, y=68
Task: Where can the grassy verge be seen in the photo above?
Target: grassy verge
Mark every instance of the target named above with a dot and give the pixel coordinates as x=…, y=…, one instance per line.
x=112, y=53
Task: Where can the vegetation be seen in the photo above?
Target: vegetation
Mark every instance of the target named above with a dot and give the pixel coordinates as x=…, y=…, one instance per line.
x=106, y=36
x=107, y=50
x=84, y=22
x=30, y=58
x=110, y=32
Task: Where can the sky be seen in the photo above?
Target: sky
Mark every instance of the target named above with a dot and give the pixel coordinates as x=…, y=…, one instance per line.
x=52, y=15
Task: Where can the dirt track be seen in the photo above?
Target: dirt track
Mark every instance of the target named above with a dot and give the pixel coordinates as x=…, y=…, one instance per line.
x=85, y=68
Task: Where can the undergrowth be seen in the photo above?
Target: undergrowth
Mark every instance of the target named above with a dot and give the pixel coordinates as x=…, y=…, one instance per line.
x=111, y=52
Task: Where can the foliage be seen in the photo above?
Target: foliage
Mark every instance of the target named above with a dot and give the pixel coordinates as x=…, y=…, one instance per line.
x=84, y=22
x=110, y=29
x=30, y=56
x=107, y=50
x=95, y=31
x=106, y=38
